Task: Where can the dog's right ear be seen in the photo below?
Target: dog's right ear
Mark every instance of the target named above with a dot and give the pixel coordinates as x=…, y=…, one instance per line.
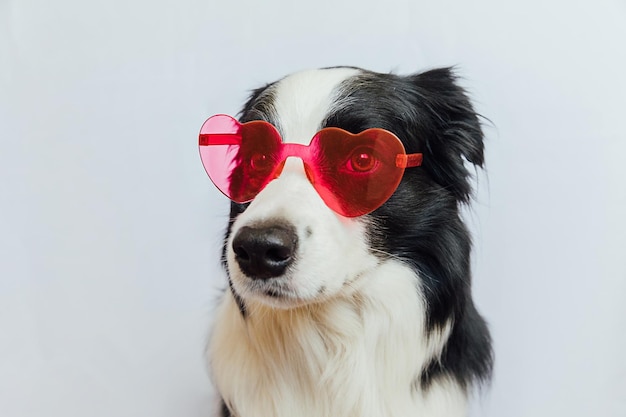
x=451, y=132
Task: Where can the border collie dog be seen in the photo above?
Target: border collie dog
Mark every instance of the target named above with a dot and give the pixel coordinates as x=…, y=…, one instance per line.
x=364, y=316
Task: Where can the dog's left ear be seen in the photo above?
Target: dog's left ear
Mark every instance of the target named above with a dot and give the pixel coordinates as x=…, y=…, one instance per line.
x=451, y=132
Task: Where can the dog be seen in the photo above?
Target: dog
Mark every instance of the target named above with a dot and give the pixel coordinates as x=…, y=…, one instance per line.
x=334, y=309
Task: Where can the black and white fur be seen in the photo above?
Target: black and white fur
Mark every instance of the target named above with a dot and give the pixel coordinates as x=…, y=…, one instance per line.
x=369, y=316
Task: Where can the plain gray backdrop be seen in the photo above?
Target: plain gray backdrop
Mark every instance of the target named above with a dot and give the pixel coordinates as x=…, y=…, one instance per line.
x=110, y=230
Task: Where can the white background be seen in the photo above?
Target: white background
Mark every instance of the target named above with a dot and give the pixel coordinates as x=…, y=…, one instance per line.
x=110, y=229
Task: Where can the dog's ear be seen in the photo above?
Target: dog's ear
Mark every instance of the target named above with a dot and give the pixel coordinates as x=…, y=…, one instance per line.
x=451, y=133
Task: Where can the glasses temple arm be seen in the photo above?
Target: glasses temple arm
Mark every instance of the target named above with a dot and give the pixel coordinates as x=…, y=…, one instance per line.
x=207, y=139
x=410, y=160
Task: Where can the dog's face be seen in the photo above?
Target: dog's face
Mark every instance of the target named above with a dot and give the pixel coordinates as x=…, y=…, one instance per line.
x=287, y=248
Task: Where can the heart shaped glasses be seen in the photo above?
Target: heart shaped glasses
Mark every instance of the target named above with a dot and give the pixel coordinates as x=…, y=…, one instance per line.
x=353, y=174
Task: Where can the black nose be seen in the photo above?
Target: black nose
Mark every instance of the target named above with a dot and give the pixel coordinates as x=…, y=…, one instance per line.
x=265, y=252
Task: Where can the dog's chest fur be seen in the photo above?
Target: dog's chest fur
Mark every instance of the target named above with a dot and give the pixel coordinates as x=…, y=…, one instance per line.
x=357, y=355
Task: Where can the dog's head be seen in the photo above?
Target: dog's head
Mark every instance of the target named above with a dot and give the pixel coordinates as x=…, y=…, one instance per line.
x=287, y=248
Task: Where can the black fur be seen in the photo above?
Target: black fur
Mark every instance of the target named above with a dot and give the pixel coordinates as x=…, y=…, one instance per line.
x=235, y=210
x=224, y=411
x=421, y=222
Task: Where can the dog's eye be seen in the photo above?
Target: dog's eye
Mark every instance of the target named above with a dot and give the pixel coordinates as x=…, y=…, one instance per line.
x=362, y=160
x=260, y=162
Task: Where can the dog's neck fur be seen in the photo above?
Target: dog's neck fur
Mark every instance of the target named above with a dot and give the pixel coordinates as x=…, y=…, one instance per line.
x=334, y=358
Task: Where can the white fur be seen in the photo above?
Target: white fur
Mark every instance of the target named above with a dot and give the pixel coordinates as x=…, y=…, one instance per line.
x=348, y=336
x=354, y=355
